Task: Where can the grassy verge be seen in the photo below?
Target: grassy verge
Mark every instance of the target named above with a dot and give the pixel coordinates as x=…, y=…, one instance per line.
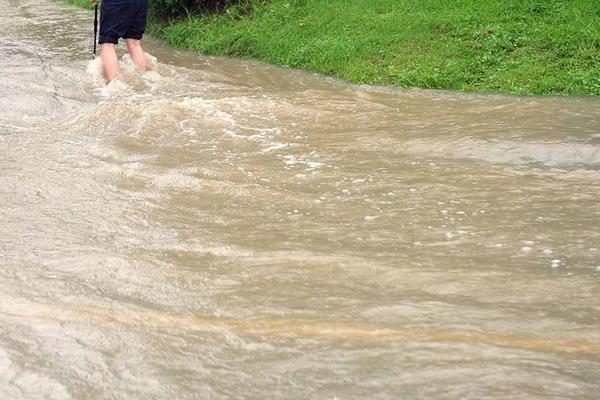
x=80, y=3
x=511, y=46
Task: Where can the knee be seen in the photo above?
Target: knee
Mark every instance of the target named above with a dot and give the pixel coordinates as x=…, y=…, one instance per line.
x=107, y=46
x=133, y=44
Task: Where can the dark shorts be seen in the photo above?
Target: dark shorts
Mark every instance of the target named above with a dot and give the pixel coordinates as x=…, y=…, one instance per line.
x=122, y=19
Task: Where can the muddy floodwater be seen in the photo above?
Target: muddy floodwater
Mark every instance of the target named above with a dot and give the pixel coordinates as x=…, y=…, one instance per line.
x=224, y=229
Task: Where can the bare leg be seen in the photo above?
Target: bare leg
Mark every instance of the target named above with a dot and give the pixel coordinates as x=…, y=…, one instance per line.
x=137, y=54
x=110, y=62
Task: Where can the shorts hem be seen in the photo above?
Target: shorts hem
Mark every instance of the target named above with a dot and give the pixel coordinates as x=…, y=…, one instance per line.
x=107, y=39
x=135, y=37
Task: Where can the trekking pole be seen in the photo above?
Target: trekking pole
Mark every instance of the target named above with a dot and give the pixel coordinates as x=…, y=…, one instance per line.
x=95, y=27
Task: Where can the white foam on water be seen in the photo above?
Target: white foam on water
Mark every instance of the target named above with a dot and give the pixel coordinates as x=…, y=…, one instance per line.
x=264, y=137
x=209, y=109
x=177, y=181
x=6, y=366
x=152, y=77
x=94, y=70
x=116, y=88
x=19, y=383
x=129, y=79
x=216, y=249
x=274, y=146
x=292, y=160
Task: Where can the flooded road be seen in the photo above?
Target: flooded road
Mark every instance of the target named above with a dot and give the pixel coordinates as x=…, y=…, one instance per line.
x=225, y=229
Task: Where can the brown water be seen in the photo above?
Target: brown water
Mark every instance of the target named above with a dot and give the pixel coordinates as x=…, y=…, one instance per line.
x=225, y=229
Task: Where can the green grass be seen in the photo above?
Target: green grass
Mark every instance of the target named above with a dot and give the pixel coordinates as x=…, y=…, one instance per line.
x=80, y=3
x=511, y=46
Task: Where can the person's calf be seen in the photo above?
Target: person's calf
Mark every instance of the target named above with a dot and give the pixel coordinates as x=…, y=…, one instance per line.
x=110, y=61
x=137, y=54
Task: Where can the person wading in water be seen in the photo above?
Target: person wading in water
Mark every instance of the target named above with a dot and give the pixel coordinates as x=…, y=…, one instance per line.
x=121, y=19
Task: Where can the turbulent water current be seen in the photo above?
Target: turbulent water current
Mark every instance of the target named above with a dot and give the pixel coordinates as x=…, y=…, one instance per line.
x=223, y=229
